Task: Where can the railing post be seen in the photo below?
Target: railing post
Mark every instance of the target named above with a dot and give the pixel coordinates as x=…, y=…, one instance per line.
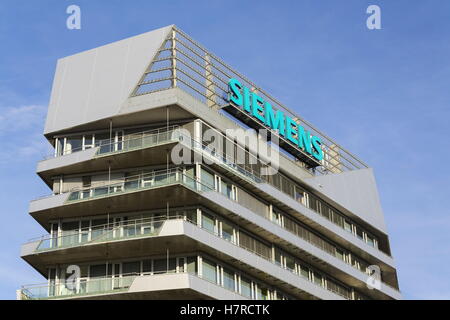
x=209, y=83
x=174, y=61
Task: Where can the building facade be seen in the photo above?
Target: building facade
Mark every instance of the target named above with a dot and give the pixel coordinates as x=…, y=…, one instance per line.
x=145, y=206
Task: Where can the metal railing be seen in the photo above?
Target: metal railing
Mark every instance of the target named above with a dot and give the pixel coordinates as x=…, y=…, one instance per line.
x=128, y=184
x=153, y=180
x=182, y=62
x=95, y=286
x=139, y=228
x=150, y=138
x=145, y=227
x=82, y=287
x=251, y=173
x=131, y=142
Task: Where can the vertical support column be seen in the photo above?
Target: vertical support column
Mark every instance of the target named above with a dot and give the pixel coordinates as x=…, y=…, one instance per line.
x=197, y=134
x=110, y=135
x=199, y=216
x=174, y=61
x=210, y=90
x=334, y=162
x=167, y=252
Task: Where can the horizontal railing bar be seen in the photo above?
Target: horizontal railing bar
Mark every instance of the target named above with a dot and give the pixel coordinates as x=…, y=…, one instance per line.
x=270, y=97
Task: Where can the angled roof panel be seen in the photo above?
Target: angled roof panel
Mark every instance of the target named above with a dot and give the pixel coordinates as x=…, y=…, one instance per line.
x=93, y=84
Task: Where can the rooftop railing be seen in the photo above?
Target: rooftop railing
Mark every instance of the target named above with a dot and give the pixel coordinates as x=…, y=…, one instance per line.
x=182, y=62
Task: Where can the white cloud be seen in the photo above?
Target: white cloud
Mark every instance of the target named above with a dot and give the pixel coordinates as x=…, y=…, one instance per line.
x=21, y=129
x=22, y=118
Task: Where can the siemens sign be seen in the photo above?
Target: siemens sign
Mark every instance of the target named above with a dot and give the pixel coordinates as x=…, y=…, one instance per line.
x=263, y=112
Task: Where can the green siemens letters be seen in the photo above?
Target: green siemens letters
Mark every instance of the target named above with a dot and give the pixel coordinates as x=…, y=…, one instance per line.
x=262, y=111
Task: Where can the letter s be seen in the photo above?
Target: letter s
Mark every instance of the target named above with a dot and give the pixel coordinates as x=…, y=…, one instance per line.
x=318, y=152
x=234, y=94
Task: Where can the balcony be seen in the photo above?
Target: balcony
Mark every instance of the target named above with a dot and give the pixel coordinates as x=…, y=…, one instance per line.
x=136, y=149
x=103, y=233
x=132, y=286
x=140, y=192
x=204, y=193
x=150, y=236
x=150, y=143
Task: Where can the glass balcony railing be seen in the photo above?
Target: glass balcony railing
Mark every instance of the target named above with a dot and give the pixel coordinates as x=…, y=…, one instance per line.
x=80, y=287
x=94, y=286
x=130, y=184
x=139, y=183
x=146, y=227
x=133, y=229
x=151, y=138
x=139, y=141
x=131, y=142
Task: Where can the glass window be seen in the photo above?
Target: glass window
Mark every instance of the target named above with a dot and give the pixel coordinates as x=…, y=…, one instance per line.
x=290, y=263
x=325, y=211
x=246, y=287
x=189, y=177
x=98, y=228
x=355, y=262
x=228, y=279
x=172, y=265
x=159, y=265
x=299, y=195
x=70, y=233
x=208, y=222
x=100, y=191
x=337, y=219
x=73, y=144
x=317, y=278
x=133, y=267
x=192, y=265
x=85, y=230
x=131, y=180
x=340, y=254
x=147, y=266
x=181, y=264
x=276, y=217
x=370, y=240
x=86, y=181
x=88, y=141
x=359, y=233
x=347, y=226
x=103, y=140
x=304, y=271
x=262, y=293
x=59, y=146
x=97, y=271
x=191, y=215
x=207, y=180
x=227, y=232
x=227, y=189
x=209, y=270
x=278, y=257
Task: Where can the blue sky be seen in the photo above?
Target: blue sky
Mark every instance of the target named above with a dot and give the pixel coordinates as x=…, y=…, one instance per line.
x=383, y=94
